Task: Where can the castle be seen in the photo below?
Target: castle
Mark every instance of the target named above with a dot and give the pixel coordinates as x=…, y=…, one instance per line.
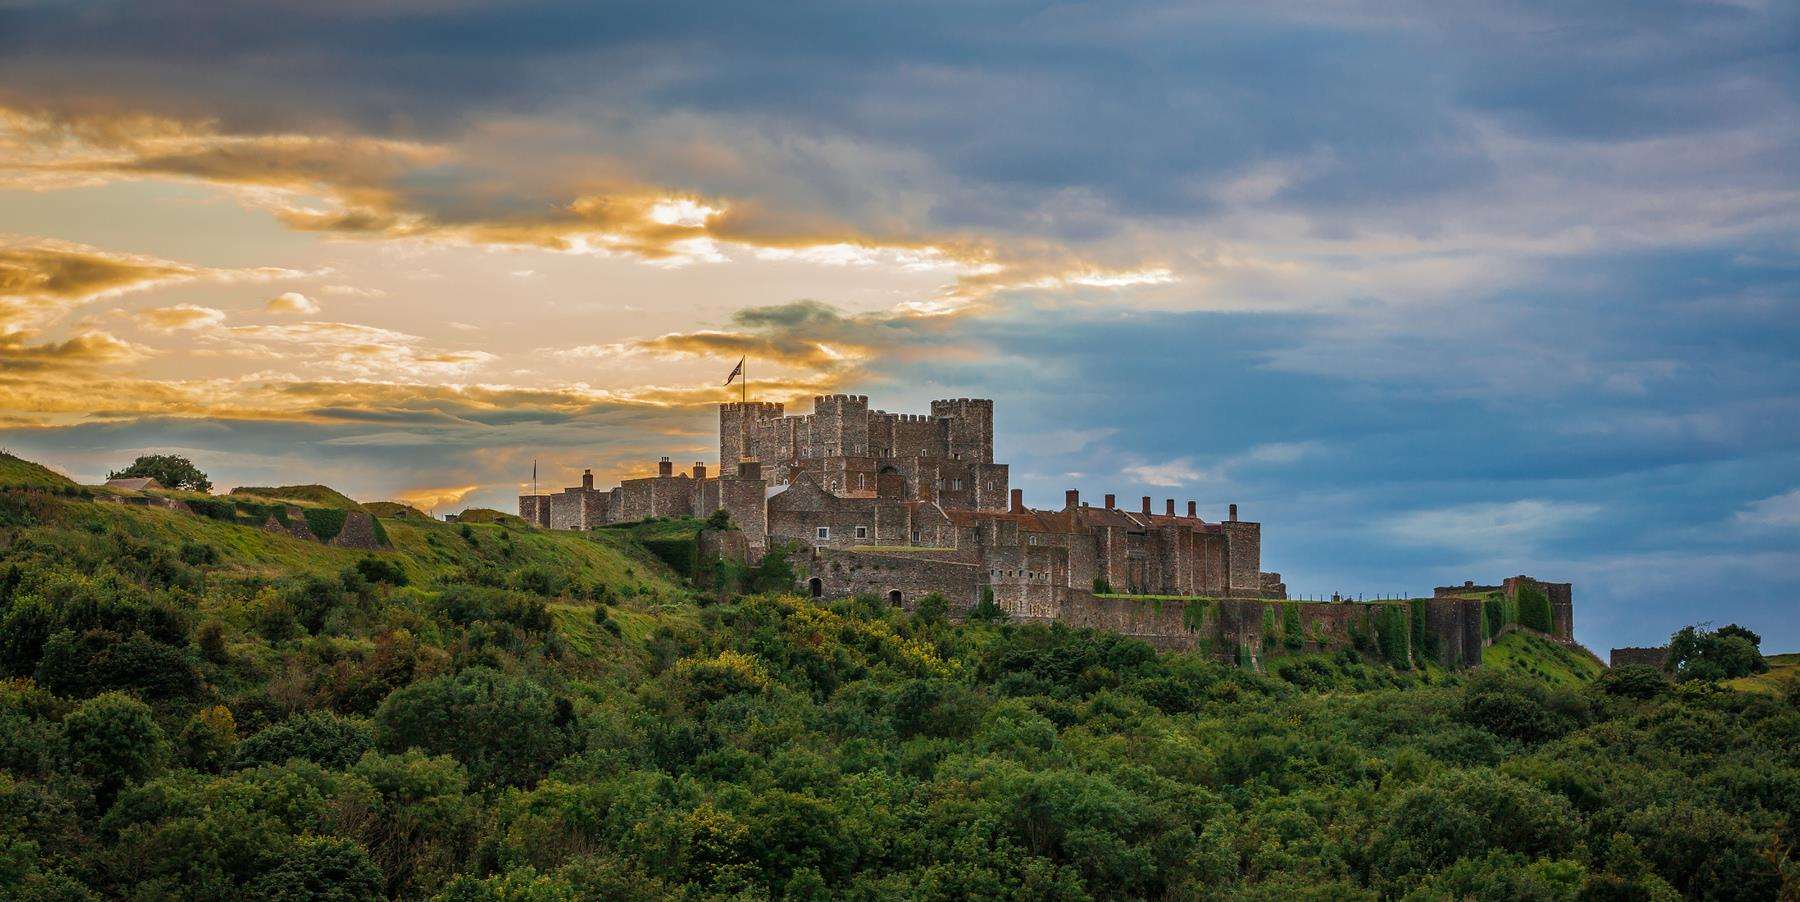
x=901, y=506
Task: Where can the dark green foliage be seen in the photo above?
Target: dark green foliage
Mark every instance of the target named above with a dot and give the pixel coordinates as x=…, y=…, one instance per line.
x=538, y=579
x=1415, y=610
x=324, y=522
x=381, y=570
x=1634, y=681
x=174, y=472
x=1102, y=587
x=773, y=573
x=1697, y=653
x=465, y=605
x=1393, y=634
x=720, y=519
x=679, y=553
x=504, y=729
x=1534, y=609
x=321, y=737
x=1292, y=634
x=452, y=740
x=321, y=869
x=113, y=739
x=985, y=610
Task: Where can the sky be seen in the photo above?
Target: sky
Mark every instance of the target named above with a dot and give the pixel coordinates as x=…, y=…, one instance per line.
x=1435, y=291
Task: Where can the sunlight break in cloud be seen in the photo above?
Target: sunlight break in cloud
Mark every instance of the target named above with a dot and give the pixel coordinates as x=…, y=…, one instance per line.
x=181, y=317
x=292, y=302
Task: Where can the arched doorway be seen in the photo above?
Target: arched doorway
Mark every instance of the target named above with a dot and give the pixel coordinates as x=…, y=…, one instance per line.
x=817, y=586
x=894, y=598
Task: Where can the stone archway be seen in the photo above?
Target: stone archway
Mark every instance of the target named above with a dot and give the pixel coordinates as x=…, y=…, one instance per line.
x=816, y=586
x=894, y=598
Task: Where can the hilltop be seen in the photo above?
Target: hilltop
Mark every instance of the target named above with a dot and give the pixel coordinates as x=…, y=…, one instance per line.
x=482, y=711
x=17, y=472
x=323, y=496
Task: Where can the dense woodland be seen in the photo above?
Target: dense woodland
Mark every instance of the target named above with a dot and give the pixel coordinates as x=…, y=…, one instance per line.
x=195, y=709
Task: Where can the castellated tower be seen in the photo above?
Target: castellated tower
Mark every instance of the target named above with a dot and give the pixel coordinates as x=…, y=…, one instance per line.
x=840, y=426
x=744, y=428
x=971, y=427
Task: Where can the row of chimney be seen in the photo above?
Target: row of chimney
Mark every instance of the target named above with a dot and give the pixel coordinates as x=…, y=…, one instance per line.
x=1072, y=500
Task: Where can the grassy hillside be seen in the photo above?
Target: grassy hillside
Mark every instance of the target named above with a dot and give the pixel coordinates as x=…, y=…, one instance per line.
x=1783, y=676
x=192, y=708
x=17, y=472
x=323, y=496
x=1528, y=654
x=489, y=515
x=389, y=510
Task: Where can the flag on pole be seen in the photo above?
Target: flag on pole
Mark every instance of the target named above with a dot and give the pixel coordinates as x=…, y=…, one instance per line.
x=736, y=371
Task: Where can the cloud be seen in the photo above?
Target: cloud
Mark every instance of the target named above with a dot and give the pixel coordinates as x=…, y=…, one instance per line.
x=292, y=302
x=1496, y=528
x=354, y=348
x=1775, y=511
x=87, y=348
x=181, y=317
x=432, y=498
x=43, y=279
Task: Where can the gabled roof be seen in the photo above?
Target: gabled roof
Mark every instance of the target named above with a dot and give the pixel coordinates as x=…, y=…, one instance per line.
x=134, y=483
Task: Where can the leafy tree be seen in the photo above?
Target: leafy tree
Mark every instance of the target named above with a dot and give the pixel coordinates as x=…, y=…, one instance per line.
x=1697, y=653
x=505, y=729
x=113, y=738
x=719, y=519
x=207, y=740
x=321, y=869
x=773, y=573
x=171, y=470
x=321, y=737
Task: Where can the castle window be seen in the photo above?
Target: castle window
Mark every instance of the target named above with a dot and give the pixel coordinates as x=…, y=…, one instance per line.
x=824, y=533
x=956, y=485
x=990, y=487
x=862, y=532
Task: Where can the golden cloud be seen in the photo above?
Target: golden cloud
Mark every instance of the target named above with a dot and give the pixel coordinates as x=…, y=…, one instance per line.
x=41, y=279
x=360, y=186
x=181, y=317
x=291, y=302
x=83, y=349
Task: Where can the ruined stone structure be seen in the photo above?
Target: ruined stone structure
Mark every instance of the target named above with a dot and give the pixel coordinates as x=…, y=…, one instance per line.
x=901, y=506
x=1656, y=656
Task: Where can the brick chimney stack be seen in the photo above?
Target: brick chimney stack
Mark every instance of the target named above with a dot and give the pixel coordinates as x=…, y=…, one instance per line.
x=1193, y=511
x=665, y=467
x=699, y=469
x=587, y=480
x=1171, y=507
x=1018, y=500
x=1109, y=501
x=1071, y=499
x=1146, y=505
x=1234, y=513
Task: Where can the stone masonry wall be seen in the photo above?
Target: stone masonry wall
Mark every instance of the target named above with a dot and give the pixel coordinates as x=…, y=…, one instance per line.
x=1657, y=657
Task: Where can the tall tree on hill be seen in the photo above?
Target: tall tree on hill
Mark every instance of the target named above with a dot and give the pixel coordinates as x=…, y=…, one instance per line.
x=171, y=470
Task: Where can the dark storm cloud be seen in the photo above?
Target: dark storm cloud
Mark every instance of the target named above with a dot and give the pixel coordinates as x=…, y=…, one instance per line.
x=1020, y=109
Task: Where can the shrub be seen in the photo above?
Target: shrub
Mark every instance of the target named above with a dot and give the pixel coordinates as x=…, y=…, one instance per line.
x=321, y=869
x=324, y=738
x=506, y=730
x=381, y=570
x=539, y=579
x=207, y=740
x=112, y=739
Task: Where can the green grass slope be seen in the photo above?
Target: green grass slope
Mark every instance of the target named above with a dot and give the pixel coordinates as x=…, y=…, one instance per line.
x=427, y=550
x=1529, y=654
x=390, y=510
x=323, y=496
x=489, y=515
x=17, y=472
x=1784, y=672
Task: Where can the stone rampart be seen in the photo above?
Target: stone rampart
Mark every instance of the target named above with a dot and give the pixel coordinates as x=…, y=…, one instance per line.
x=1657, y=657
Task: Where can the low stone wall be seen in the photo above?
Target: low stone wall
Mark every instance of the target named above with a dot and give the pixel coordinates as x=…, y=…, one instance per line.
x=1657, y=657
x=294, y=528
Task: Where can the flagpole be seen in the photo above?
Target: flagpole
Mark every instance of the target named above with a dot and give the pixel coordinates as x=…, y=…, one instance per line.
x=744, y=380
